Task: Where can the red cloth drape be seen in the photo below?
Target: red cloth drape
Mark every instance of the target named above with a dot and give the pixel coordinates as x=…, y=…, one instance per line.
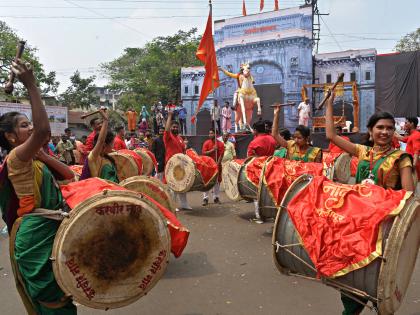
x=254, y=169
x=339, y=224
x=280, y=173
x=205, y=165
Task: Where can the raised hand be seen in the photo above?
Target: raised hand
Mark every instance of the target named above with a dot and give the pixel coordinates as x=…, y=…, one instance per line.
x=24, y=72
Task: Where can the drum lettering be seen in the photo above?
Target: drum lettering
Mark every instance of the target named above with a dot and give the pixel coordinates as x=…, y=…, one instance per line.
x=398, y=294
x=330, y=214
x=145, y=282
x=83, y=284
x=156, y=266
x=113, y=209
x=133, y=208
x=73, y=267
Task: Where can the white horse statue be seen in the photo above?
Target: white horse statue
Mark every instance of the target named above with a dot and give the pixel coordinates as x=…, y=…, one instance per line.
x=246, y=96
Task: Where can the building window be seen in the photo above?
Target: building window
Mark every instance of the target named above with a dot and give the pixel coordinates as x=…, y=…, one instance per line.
x=353, y=76
x=367, y=76
x=196, y=91
x=328, y=80
x=185, y=89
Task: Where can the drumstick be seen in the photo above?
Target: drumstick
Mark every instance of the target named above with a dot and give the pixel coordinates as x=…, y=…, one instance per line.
x=282, y=105
x=326, y=97
x=92, y=113
x=8, y=88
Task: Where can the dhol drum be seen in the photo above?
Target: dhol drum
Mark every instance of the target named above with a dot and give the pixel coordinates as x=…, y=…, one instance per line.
x=277, y=176
x=230, y=176
x=192, y=172
x=249, y=177
x=337, y=166
x=128, y=164
x=384, y=281
x=112, y=249
x=151, y=187
x=148, y=159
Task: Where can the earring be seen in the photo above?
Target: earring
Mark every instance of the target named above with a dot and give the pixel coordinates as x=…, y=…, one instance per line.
x=370, y=137
x=12, y=140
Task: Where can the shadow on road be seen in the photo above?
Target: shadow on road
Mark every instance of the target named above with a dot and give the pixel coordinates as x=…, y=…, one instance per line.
x=189, y=265
x=209, y=211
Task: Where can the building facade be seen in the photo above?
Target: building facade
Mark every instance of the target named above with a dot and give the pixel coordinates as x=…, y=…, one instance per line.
x=278, y=47
x=191, y=82
x=357, y=65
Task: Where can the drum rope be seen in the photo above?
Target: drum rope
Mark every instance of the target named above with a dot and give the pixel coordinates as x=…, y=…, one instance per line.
x=57, y=215
x=284, y=247
x=351, y=296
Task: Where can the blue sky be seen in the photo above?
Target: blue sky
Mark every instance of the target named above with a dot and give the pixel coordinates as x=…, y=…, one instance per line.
x=82, y=34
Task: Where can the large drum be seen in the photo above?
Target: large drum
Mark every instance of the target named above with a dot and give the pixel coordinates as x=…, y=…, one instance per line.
x=277, y=176
x=191, y=172
x=112, y=249
x=384, y=281
x=128, y=164
x=151, y=187
x=337, y=166
x=249, y=177
x=230, y=176
x=148, y=159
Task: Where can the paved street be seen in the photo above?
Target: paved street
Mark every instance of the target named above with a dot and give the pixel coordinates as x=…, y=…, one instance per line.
x=227, y=268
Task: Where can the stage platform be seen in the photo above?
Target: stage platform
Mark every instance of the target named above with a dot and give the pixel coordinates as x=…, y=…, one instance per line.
x=242, y=141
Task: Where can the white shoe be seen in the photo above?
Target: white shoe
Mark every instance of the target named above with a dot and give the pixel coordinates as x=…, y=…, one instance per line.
x=186, y=208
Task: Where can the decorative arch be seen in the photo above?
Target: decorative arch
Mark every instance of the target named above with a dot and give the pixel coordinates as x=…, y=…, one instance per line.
x=267, y=72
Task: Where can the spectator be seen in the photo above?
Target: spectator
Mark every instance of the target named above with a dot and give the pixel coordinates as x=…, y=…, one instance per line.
x=143, y=125
x=158, y=149
x=119, y=143
x=65, y=150
x=182, y=118
x=215, y=116
x=142, y=143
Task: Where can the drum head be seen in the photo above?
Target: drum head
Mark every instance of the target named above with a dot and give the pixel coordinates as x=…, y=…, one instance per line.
x=151, y=187
x=400, y=258
x=147, y=162
x=230, y=174
x=180, y=173
x=341, y=168
x=284, y=233
x=111, y=251
x=126, y=166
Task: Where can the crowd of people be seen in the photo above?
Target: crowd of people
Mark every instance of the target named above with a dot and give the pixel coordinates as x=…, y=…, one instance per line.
x=34, y=161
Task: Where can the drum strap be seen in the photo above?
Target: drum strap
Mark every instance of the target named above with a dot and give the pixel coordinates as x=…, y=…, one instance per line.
x=57, y=215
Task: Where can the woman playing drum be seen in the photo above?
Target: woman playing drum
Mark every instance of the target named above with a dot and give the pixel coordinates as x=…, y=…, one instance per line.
x=299, y=148
x=379, y=164
x=31, y=174
x=99, y=163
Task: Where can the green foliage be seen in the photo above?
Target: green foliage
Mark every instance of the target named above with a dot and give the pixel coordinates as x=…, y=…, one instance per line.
x=153, y=73
x=8, y=42
x=410, y=42
x=81, y=93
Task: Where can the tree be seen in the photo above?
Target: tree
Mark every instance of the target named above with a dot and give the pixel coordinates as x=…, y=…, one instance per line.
x=146, y=75
x=409, y=42
x=81, y=93
x=8, y=42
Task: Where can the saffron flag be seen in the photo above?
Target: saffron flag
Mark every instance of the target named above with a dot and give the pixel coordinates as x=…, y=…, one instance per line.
x=243, y=8
x=207, y=54
x=276, y=5
x=341, y=225
x=261, y=5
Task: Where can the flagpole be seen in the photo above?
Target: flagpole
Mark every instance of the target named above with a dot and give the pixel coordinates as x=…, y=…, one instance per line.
x=212, y=89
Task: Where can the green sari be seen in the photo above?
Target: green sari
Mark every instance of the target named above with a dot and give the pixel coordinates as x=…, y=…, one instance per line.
x=32, y=251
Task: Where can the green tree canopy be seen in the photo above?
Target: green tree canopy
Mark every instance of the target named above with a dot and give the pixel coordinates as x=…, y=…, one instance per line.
x=81, y=93
x=8, y=43
x=153, y=72
x=409, y=42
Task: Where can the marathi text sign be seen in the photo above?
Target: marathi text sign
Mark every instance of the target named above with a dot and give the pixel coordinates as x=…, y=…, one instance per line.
x=57, y=115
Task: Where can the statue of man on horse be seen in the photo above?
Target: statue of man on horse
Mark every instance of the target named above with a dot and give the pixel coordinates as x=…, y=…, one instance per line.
x=245, y=98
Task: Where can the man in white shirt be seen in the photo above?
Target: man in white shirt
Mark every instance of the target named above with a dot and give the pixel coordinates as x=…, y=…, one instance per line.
x=304, y=112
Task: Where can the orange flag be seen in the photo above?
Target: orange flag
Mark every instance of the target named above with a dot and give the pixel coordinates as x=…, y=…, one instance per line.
x=261, y=5
x=276, y=5
x=207, y=55
x=243, y=8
